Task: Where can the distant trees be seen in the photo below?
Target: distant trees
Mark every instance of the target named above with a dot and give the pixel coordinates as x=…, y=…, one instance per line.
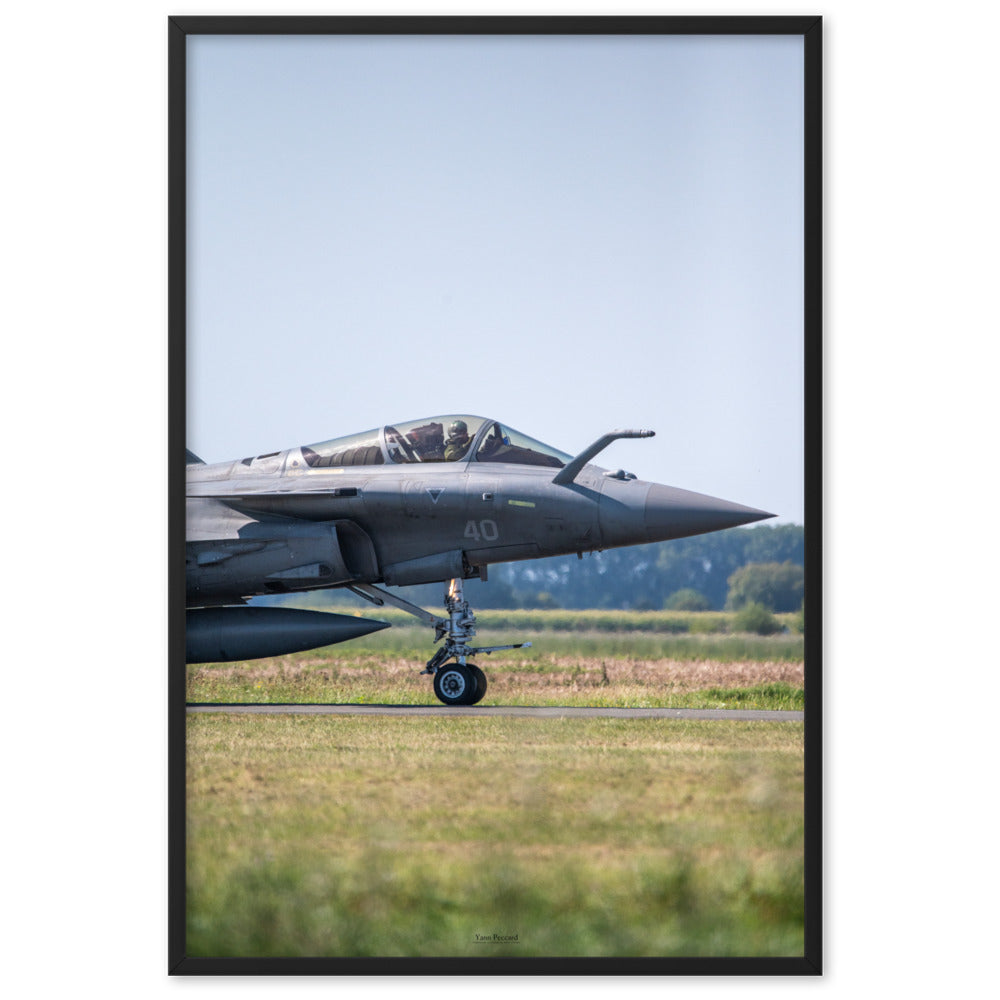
x=542, y=599
x=687, y=599
x=756, y=618
x=646, y=576
x=774, y=586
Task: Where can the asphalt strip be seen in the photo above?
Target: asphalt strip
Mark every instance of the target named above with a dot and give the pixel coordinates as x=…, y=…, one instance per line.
x=485, y=711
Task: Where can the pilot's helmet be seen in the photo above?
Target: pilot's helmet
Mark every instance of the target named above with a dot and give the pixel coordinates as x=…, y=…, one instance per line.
x=458, y=428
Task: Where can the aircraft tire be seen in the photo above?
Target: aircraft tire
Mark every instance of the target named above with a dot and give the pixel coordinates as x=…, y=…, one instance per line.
x=481, y=684
x=455, y=685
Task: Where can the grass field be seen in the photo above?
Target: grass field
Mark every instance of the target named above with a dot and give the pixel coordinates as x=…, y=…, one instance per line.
x=493, y=836
x=359, y=835
x=652, y=659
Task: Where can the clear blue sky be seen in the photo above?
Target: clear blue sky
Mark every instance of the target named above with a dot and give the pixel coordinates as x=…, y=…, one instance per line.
x=569, y=234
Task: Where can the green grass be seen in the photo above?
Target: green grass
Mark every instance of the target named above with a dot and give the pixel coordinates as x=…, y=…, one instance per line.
x=780, y=697
x=406, y=836
x=586, y=620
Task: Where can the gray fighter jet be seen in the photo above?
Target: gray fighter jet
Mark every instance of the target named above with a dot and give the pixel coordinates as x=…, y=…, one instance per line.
x=433, y=500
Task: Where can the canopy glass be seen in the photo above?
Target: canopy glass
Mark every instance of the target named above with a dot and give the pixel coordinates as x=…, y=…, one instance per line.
x=454, y=438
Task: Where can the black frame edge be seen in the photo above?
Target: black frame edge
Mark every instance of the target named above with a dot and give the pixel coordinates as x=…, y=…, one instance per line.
x=813, y=363
x=176, y=443
x=540, y=24
x=466, y=966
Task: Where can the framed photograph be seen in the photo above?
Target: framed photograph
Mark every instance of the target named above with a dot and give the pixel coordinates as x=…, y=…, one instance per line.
x=495, y=495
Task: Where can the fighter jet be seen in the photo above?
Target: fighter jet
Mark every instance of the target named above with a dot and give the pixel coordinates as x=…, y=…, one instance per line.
x=427, y=501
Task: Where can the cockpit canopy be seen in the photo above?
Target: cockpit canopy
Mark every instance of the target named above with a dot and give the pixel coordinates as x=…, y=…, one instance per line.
x=454, y=438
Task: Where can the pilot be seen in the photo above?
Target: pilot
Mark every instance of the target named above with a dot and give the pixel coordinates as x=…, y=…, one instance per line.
x=458, y=441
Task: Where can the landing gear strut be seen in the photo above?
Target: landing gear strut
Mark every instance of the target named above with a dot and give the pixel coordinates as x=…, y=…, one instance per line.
x=462, y=683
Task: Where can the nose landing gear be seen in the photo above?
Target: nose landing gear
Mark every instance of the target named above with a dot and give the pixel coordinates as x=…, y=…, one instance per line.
x=462, y=683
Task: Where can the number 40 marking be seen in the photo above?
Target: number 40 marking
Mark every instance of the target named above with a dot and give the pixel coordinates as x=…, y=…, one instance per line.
x=487, y=530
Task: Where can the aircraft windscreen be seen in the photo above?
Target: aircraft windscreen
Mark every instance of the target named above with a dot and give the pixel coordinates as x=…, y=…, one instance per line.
x=433, y=439
x=501, y=444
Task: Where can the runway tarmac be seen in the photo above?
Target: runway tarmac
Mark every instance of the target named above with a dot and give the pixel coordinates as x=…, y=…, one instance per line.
x=734, y=715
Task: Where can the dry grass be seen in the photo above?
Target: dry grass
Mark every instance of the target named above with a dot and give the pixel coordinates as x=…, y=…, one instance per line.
x=564, y=672
x=577, y=681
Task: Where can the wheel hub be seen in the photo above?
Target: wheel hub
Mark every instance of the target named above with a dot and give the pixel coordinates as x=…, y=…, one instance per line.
x=453, y=684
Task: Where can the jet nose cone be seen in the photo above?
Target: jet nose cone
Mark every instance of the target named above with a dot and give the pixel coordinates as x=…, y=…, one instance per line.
x=674, y=513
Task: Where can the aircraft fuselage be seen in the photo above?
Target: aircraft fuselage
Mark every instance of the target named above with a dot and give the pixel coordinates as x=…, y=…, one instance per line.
x=425, y=523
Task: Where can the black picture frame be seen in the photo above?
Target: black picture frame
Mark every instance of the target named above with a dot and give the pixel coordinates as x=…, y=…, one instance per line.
x=810, y=29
